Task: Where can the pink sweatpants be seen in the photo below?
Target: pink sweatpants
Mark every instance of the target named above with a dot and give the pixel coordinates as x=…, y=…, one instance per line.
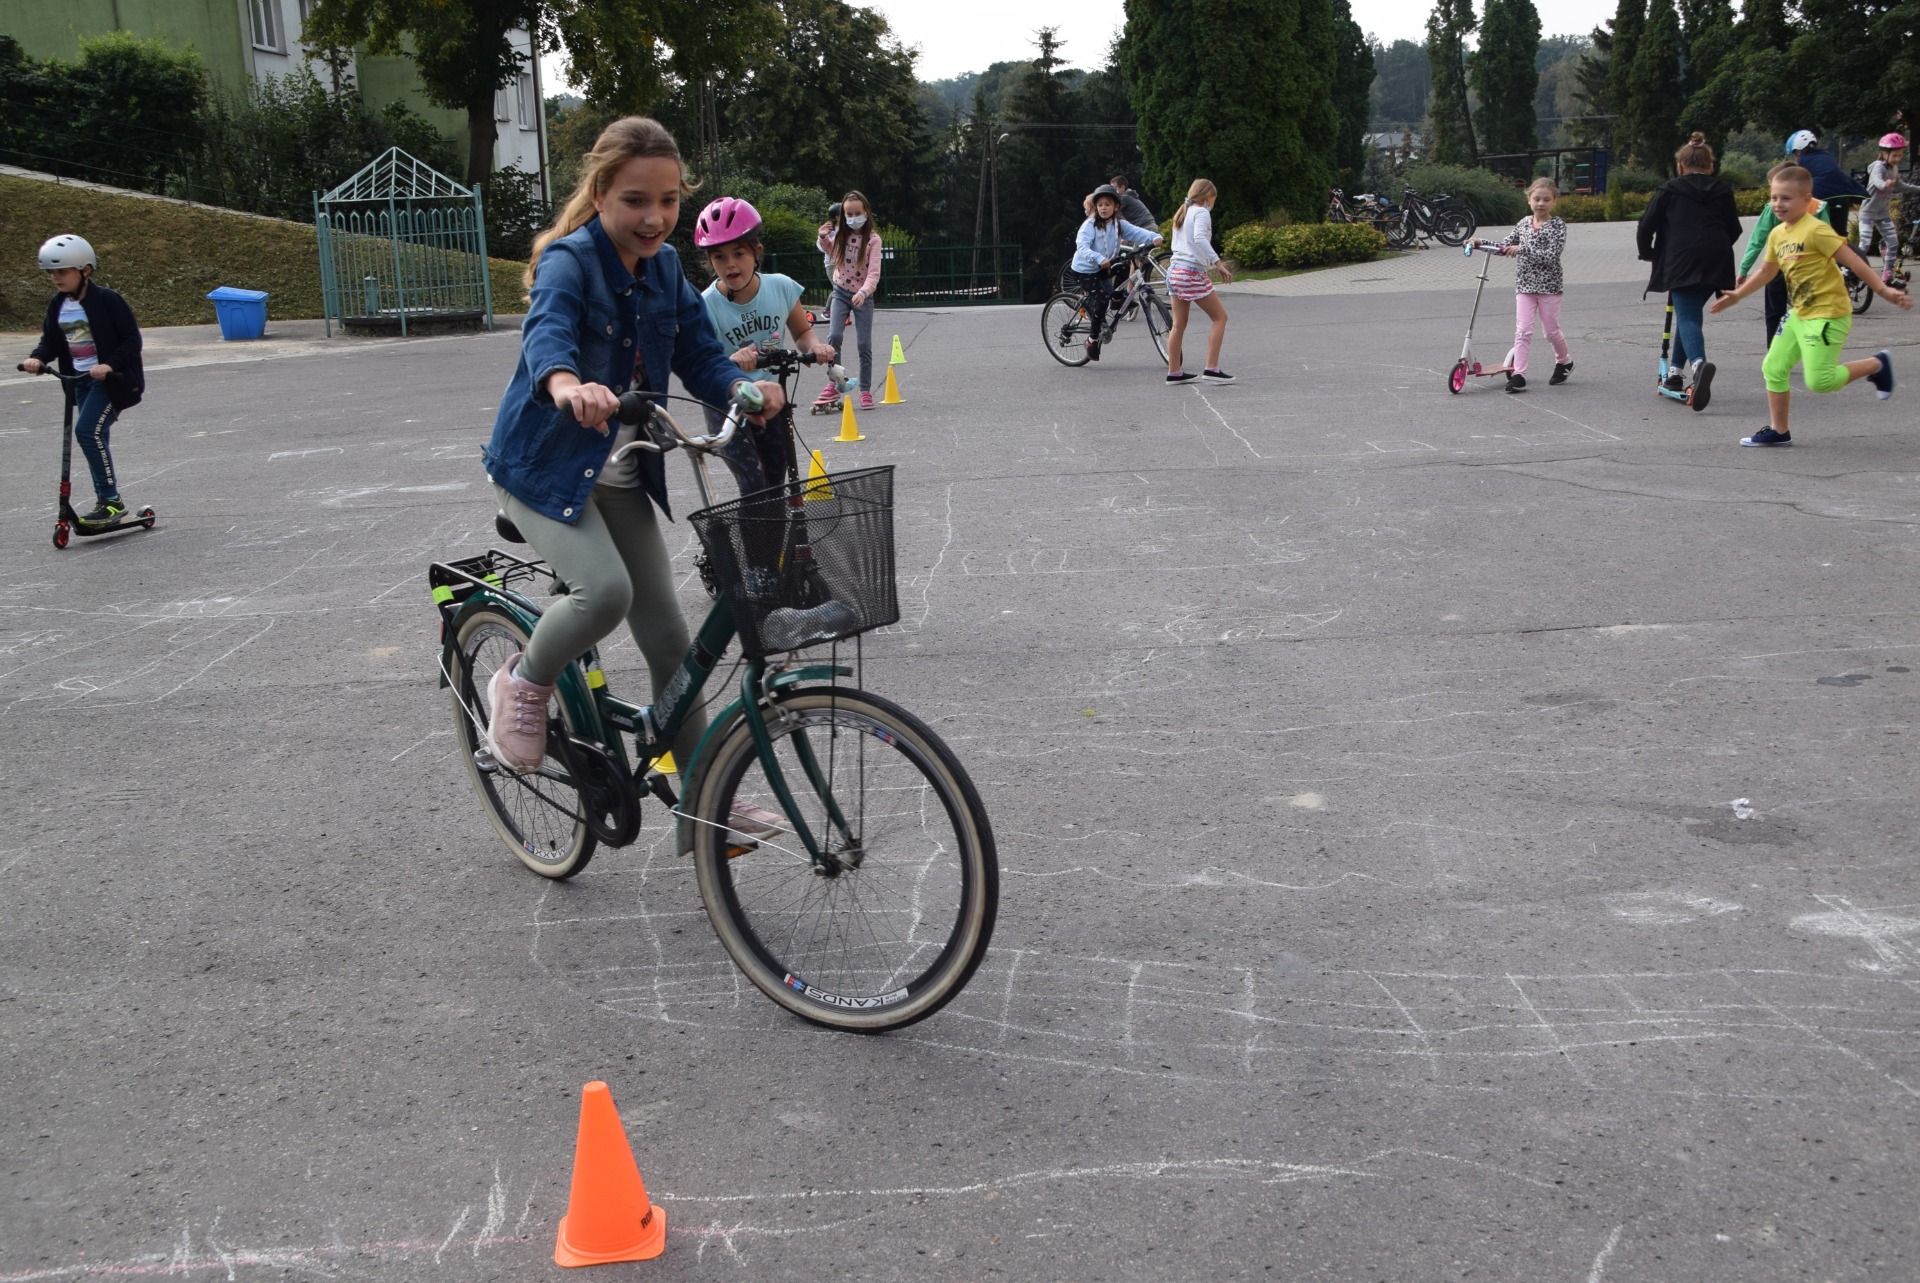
x=1547, y=308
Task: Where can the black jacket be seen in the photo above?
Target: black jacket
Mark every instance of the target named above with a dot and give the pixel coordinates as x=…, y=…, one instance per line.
x=116, y=341
x=1688, y=234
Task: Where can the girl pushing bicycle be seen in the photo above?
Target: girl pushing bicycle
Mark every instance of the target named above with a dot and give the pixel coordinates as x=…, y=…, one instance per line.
x=1100, y=238
x=608, y=309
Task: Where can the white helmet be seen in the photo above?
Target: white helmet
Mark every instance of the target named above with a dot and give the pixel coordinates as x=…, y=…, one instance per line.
x=66, y=251
x=1800, y=140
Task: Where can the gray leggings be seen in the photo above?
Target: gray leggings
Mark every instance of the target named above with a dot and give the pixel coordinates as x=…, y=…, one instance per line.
x=862, y=330
x=615, y=564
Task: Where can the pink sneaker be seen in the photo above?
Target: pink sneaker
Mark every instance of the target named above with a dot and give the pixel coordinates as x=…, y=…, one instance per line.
x=518, y=732
x=828, y=395
x=866, y=400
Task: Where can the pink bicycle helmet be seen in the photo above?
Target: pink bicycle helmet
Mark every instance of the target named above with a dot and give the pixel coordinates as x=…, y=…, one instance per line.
x=724, y=221
x=1893, y=141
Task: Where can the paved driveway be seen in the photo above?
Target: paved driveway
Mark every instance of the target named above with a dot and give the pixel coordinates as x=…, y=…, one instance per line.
x=1443, y=837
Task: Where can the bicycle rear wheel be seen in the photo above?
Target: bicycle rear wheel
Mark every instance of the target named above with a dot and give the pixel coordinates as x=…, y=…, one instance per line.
x=894, y=932
x=540, y=818
x=1859, y=293
x=1454, y=224
x=1159, y=321
x=1065, y=327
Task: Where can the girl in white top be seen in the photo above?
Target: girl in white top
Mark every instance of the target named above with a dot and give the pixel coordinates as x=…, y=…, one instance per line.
x=1189, y=281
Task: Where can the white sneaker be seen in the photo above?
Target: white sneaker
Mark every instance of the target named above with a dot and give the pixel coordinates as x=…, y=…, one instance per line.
x=517, y=735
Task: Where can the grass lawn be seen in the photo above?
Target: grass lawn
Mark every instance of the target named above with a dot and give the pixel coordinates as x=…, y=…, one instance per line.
x=164, y=257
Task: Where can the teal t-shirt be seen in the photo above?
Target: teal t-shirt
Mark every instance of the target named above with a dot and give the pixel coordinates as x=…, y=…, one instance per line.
x=761, y=323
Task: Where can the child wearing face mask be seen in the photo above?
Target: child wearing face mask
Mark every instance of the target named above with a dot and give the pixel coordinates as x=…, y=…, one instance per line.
x=851, y=244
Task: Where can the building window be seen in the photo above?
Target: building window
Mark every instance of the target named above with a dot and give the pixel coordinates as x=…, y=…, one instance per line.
x=502, y=108
x=265, y=16
x=529, y=118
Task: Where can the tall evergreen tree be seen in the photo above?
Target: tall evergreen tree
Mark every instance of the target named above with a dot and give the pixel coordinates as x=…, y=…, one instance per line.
x=1654, y=93
x=1240, y=94
x=1402, y=79
x=1352, y=92
x=1712, y=70
x=1448, y=27
x=1505, y=76
x=1629, y=20
x=1765, y=72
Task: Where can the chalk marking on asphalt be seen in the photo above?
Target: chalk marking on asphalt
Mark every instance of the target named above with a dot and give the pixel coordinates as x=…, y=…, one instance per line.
x=1599, y=1269
x=432, y=735
x=1879, y=930
x=459, y=1223
x=301, y=454
x=1817, y=1036
x=1208, y=402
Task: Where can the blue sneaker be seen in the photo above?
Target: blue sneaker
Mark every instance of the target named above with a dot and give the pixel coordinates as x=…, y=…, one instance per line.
x=1882, y=378
x=1767, y=436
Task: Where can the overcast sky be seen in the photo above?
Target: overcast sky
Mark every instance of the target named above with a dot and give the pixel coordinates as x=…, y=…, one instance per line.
x=958, y=36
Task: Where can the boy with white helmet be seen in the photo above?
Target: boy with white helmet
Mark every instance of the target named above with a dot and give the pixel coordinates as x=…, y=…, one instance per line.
x=90, y=330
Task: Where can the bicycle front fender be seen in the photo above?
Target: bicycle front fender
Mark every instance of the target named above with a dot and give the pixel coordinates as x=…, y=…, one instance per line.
x=696, y=770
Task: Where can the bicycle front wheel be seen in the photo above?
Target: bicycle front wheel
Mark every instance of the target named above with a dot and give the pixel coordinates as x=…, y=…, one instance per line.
x=892, y=930
x=540, y=818
x=1065, y=327
x=1859, y=293
x=1159, y=321
x=1400, y=230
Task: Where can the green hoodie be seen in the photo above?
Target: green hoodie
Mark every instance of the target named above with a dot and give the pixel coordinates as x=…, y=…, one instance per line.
x=1757, y=238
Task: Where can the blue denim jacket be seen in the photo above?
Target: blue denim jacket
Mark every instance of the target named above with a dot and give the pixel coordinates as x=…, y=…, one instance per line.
x=585, y=315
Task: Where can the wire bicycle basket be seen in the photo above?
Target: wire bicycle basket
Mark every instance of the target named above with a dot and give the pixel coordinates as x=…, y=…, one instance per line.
x=805, y=562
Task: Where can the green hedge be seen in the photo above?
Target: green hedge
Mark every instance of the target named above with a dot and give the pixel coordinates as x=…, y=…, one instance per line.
x=1255, y=246
x=1493, y=199
x=1593, y=209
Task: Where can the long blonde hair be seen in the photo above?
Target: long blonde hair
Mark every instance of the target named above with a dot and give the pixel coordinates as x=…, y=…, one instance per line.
x=629, y=138
x=1200, y=190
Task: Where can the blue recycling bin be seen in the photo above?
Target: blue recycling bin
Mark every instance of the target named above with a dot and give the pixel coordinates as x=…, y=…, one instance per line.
x=242, y=313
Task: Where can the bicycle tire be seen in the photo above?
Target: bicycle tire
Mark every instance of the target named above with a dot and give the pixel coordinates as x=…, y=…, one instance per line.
x=896, y=936
x=1454, y=225
x=1069, y=279
x=539, y=818
x=1065, y=329
x=1159, y=322
x=1400, y=233
x=1859, y=293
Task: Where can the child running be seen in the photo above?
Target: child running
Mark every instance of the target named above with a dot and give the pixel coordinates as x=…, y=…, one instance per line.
x=1099, y=239
x=1804, y=248
x=754, y=312
x=1876, y=214
x=1537, y=240
x=1189, y=282
x=851, y=243
x=90, y=330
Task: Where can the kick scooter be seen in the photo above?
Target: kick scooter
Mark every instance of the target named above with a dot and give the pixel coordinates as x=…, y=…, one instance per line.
x=1694, y=396
x=69, y=521
x=1457, y=377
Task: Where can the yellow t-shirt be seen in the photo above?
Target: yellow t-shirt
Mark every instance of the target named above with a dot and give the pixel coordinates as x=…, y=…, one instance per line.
x=1804, y=252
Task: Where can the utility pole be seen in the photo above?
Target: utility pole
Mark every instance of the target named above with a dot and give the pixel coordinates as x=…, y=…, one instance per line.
x=989, y=193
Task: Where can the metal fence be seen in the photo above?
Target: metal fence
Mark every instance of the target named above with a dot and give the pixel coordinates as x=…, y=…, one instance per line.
x=401, y=243
x=920, y=276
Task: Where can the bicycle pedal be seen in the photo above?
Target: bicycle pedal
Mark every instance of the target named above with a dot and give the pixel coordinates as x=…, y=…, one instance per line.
x=657, y=785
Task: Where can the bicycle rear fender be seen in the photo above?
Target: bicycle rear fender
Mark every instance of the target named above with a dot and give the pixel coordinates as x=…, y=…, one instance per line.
x=696, y=772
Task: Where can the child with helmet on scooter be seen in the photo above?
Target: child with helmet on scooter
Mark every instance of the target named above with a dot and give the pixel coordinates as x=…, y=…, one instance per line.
x=608, y=309
x=1876, y=214
x=754, y=312
x=90, y=330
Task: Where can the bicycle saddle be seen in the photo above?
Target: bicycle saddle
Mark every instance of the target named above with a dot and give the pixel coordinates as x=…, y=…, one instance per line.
x=504, y=527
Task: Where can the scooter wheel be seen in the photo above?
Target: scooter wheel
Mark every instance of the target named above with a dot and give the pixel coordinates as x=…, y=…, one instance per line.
x=1458, y=378
x=60, y=532
x=147, y=518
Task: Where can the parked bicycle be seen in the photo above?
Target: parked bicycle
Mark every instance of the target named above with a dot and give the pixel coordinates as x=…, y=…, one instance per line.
x=872, y=904
x=1367, y=208
x=1443, y=218
x=1066, y=326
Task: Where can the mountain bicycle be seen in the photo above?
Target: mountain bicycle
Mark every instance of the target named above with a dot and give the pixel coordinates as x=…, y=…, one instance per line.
x=873, y=901
x=1444, y=218
x=1066, y=327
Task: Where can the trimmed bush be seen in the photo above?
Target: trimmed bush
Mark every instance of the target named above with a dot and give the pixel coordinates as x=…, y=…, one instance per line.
x=1601, y=209
x=1749, y=203
x=1492, y=198
x=1255, y=246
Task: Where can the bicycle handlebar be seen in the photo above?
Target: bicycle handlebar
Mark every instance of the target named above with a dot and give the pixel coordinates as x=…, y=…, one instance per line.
x=637, y=407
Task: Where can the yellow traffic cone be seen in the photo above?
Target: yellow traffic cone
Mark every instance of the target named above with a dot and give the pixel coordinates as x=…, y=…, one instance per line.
x=893, y=396
x=817, y=485
x=849, y=430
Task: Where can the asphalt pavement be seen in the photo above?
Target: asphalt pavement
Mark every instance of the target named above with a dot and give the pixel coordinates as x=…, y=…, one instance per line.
x=1442, y=836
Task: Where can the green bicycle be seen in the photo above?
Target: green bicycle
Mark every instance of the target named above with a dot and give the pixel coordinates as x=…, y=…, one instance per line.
x=872, y=905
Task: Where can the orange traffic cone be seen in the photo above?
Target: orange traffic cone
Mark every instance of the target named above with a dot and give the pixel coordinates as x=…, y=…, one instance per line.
x=608, y=1215
x=849, y=429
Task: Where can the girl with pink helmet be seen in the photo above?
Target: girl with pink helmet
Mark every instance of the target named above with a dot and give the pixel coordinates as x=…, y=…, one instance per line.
x=1876, y=212
x=755, y=312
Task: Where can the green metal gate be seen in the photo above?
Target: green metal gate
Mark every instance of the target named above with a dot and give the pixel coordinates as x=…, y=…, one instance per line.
x=401, y=243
